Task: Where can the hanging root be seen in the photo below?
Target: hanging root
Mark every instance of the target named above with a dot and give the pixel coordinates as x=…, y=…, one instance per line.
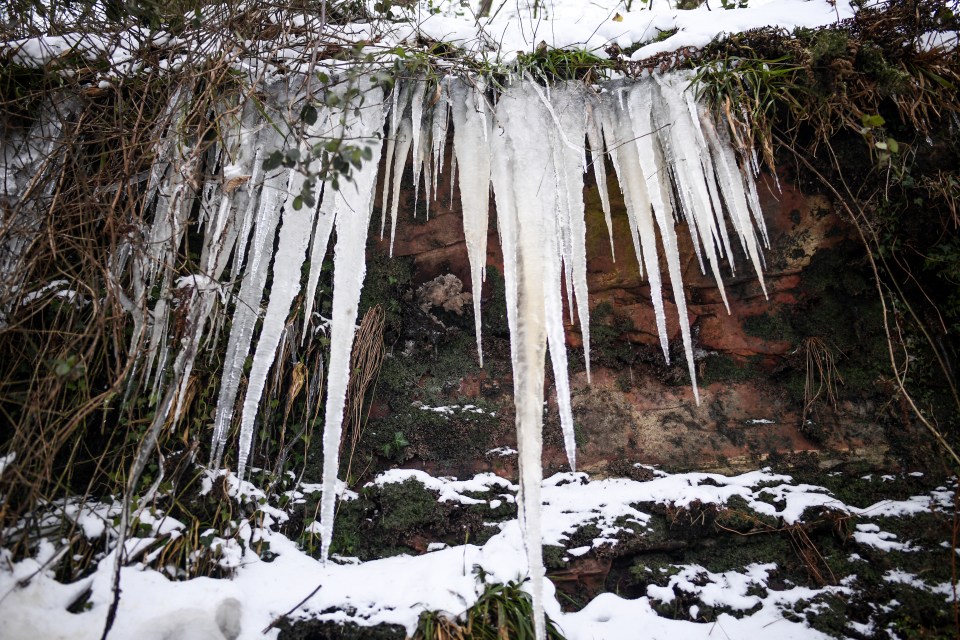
x=821, y=377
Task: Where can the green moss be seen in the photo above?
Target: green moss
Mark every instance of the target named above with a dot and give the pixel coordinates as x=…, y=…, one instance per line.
x=720, y=367
x=397, y=518
x=553, y=557
x=769, y=326
x=386, y=281
x=827, y=45
x=653, y=569
x=407, y=505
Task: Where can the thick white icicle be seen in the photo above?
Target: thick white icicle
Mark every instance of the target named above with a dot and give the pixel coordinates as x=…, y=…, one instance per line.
x=656, y=181
x=522, y=161
x=400, y=161
x=416, y=132
x=472, y=148
x=291, y=252
x=353, y=209
x=569, y=103
x=251, y=292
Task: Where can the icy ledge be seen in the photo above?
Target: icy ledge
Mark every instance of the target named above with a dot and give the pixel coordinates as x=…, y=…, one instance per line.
x=530, y=144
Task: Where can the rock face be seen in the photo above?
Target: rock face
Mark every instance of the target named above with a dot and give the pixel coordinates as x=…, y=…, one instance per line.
x=794, y=378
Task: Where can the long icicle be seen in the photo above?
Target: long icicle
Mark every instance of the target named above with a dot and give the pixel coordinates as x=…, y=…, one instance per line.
x=288, y=261
x=353, y=209
x=471, y=136
x=522, y=161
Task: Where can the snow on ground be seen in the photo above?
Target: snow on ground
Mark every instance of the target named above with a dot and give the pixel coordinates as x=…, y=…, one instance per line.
x=398, y=589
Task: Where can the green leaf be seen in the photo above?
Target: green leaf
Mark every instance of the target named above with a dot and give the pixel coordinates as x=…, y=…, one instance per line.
x=297, y=203
x=322, y=77
x=872, y=121
x=893, y=145
x=273, y=161
x=309, y=114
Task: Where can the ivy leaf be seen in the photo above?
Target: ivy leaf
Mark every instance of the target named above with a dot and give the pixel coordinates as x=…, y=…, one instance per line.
x=297, y=203
x=273, y=161
x=309, y=114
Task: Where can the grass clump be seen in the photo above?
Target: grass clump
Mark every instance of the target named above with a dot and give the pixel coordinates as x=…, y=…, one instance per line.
x=501, y=611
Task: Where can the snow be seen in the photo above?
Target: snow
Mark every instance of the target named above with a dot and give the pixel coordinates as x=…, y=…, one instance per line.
x=870, y=535
x=396, y=590
x=595, y=25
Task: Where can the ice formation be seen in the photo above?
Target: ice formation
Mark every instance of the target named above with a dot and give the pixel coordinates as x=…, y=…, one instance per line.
x=529, y=144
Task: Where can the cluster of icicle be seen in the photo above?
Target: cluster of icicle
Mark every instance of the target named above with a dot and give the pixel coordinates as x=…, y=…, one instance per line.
x=532, y=144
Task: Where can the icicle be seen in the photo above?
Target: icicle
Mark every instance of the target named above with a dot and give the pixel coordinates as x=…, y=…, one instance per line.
x=321, y=239
x=247, y=222
x=597, y=157
x=438, y=131
x=656, y=182
x=731, y=188
x=416, y=131
x=521, y=161
x=611, y=123
x=166, y=235
x=396, y=115
x=400, y=161
x=678, y=135
x=291, y=252
x=353, y=208
x=248, y=302
x=626, y=163
x=472, y=152
x=203, y=287
x=424, y=161
x=570, y=105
